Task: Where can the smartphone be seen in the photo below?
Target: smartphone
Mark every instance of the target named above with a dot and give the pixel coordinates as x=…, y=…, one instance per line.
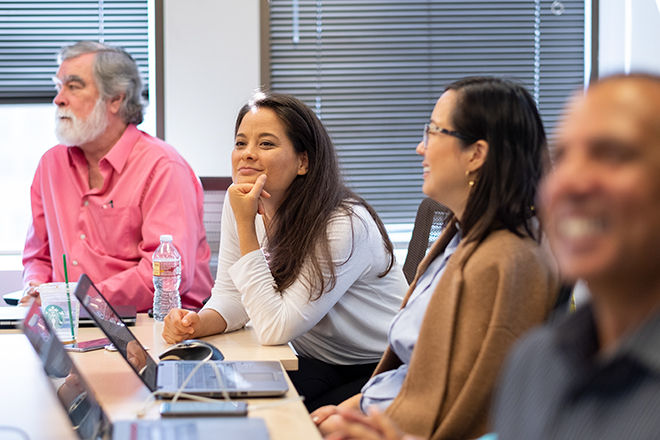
x=200, y=409
x=83, y=346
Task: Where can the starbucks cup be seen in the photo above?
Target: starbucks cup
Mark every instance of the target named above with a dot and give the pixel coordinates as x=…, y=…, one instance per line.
x=60, y=311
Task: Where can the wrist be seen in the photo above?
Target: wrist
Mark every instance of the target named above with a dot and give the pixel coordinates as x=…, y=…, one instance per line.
x=352, y=402
x=246, y=229
x=210, y=322
x=31, y=287
x=247, y=238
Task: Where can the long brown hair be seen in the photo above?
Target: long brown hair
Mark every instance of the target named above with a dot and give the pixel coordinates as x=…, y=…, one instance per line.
x=504, y=114
x=298, y=232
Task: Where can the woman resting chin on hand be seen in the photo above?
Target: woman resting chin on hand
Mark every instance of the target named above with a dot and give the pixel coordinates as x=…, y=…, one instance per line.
x=302, y=257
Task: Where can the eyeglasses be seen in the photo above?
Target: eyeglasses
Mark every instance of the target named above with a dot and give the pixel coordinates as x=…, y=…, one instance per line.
x=431, y=128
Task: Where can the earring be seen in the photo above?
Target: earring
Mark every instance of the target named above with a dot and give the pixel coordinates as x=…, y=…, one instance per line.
x=470, y=181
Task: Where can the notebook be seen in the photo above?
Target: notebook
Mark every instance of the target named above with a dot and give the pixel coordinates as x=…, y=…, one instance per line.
x=237, y=378
x=86, y=415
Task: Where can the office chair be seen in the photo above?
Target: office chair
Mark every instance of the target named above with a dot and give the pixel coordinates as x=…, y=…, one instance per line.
x=215, y=189
x=429, y=222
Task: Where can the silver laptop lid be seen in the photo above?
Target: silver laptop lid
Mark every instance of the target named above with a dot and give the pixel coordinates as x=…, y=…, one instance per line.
x=86, y=415
x=114, y=328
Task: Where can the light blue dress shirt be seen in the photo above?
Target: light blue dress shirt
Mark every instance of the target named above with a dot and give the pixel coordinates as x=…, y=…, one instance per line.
x=404, y=331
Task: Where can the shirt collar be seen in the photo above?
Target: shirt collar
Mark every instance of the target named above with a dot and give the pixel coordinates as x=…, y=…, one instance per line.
x=453, y=244
x=576, y=335
x=76, y=156
x=118, y=154
x=642, y=344
x=578, y=339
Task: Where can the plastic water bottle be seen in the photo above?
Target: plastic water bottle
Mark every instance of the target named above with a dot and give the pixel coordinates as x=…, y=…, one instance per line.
x=167, y=277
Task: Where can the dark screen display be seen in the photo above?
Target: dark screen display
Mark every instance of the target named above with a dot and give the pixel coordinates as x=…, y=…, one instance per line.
x=113, y=327
x=86, y=415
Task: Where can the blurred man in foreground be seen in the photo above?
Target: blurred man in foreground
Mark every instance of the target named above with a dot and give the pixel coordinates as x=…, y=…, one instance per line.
x=596, y=373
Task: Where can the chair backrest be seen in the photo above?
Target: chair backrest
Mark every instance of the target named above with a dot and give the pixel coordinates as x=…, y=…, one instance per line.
x=215, y=189
x=563, y=304
x=429, y=222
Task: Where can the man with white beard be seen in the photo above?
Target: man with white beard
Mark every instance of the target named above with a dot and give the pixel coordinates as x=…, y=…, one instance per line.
x=105, y=195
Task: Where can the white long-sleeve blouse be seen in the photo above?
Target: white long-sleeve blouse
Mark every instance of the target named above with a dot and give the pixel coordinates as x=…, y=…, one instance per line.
x=346, y=325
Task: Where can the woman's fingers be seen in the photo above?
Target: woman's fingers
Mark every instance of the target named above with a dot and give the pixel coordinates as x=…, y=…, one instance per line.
x=247, y=198
x=178, y=325
x=258, y=186
x=322, y=413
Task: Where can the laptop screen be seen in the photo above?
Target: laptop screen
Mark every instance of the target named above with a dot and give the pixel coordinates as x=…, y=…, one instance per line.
x=86, y=415
x=115, y=329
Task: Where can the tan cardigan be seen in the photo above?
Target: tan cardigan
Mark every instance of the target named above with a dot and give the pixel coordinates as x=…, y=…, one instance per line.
x=489, y=294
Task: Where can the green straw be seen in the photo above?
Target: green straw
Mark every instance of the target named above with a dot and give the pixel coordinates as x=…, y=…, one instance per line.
x=68, y=298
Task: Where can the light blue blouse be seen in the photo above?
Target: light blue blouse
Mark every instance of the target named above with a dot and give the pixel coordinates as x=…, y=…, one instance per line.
x=404, y=330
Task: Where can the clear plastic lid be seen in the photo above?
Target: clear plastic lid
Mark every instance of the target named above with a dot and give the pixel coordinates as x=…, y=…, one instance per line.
x=165, y=237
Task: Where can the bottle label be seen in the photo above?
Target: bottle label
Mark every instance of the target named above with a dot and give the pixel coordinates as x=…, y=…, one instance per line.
x=166, y=268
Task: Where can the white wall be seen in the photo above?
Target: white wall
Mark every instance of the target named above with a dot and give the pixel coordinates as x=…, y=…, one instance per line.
x=629, y=36
x=212, y=67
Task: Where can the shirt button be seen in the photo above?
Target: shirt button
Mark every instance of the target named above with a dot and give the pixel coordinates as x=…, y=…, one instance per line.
x=82, y=236
x=86, y=202
x=75, y=262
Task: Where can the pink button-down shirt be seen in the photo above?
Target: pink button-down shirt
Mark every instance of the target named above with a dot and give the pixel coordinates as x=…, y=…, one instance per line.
x=110, y=233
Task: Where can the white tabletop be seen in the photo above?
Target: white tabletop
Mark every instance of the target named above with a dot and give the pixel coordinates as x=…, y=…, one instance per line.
x=29, y=403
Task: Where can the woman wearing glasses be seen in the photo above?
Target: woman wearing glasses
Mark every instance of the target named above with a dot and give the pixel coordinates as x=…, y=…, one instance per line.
x=302, y=257
x=485, y=280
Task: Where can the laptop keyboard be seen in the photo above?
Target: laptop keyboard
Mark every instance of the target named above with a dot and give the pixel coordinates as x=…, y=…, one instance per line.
x=205, y=377
x=173, y=431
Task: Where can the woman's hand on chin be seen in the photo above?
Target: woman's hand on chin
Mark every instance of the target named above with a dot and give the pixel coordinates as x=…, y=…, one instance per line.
x=246, y=199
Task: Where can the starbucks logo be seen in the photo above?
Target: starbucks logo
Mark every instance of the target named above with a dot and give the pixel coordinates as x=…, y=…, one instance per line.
x=55, y=315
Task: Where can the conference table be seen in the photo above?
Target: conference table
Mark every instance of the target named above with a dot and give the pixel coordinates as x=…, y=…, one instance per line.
x=28, y=401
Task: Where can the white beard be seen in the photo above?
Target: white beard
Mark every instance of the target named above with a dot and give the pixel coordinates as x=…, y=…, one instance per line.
x=75, y=131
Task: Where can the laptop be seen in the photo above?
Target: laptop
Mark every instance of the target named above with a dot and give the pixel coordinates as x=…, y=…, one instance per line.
x=12, y=298
x=11, y=317
x=86, y=415
x=236, y=378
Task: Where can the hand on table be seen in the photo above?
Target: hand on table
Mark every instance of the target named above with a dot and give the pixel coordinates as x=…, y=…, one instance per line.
x=355, y=425
x=30, y=293
x=180, y=324
x=327, y=418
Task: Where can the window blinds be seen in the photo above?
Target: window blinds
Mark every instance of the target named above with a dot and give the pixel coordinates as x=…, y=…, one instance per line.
x=372, y=71
x=32, y=32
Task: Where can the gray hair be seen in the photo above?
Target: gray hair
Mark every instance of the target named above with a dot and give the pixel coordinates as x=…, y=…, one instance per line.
x=115, y=72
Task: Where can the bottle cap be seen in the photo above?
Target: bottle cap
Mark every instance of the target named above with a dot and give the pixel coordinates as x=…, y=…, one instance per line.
x=166, y=237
